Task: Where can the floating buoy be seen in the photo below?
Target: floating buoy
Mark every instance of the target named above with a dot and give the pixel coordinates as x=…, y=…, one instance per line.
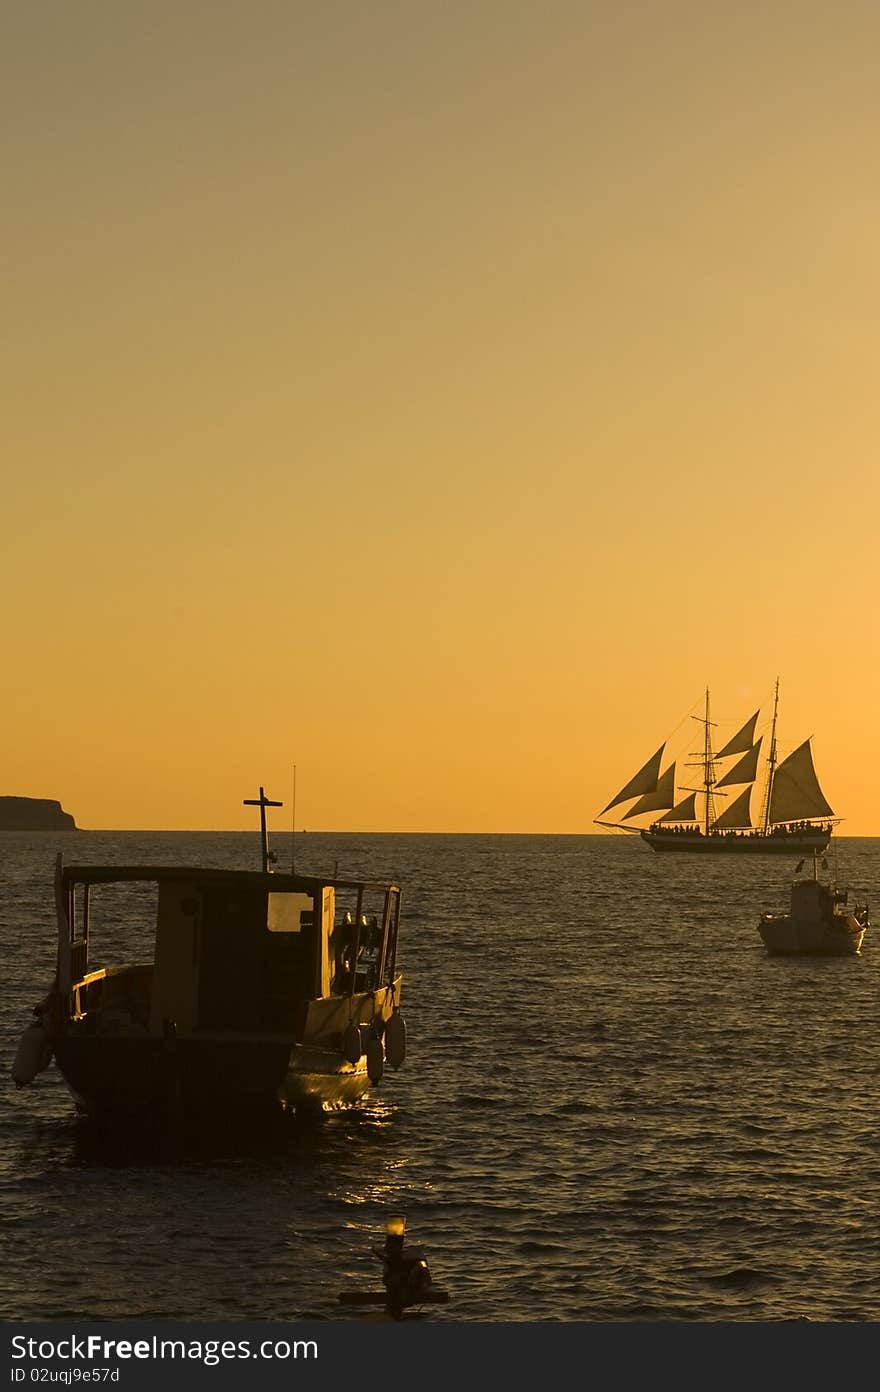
x=34, y=1053
x=375, y=1059
x=352, y=1047
x=395, y=1039
x=405, y=1276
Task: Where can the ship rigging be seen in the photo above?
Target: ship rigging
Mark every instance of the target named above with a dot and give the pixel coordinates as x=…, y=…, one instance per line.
x=794, y=814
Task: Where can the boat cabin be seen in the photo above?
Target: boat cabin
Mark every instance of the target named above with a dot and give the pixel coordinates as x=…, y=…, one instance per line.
x=812, y=901
x=252, y=953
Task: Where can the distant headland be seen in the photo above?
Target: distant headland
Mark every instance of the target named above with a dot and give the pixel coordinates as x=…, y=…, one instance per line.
x=34, y=814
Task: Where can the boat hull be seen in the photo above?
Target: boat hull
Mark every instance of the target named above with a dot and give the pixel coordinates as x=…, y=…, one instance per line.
x=134, y=1075
x=785, y=936
x=317, y=1078
x=683, y=843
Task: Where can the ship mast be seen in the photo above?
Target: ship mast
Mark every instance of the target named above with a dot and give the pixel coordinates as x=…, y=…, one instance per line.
x=707, y=764
x=707, y=768
x=771, y=761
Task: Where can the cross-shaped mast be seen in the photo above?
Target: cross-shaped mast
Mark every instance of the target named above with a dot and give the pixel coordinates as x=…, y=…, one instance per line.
x=263, y=802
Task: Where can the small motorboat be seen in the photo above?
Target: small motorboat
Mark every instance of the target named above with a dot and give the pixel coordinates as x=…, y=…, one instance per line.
x=819, y=923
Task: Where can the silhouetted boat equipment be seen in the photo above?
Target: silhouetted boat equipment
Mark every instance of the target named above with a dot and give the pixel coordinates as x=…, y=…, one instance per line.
x=794, y=814
x=818, y=923
x=263, y=990
x=405, y=1275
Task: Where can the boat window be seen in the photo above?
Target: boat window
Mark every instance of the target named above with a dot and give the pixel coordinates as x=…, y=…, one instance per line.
x=287, y=913
x=122, y=921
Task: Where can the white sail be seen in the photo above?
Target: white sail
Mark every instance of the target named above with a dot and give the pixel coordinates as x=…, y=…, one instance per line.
x=742, y=740
x=737, y=814
x=685, y=811
x=796, y=795
x=645, y=781
x=661, y=796
x=744, y=770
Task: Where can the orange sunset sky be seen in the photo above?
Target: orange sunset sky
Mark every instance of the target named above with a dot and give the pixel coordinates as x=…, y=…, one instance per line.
x=436, y=397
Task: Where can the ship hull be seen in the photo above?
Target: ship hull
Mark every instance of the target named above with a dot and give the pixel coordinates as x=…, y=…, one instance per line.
x=727, y=844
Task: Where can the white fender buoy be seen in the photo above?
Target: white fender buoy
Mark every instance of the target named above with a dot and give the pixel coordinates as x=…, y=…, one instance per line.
x=351, y=1044
x=34, y=1053
x=375, y=1059
x=395, y=1039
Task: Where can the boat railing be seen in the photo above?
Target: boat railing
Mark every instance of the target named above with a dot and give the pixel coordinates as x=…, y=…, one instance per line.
x=125, y=990
x=79, y=958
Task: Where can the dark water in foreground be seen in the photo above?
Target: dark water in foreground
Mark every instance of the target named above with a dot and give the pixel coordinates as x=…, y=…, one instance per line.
x=615, y=1106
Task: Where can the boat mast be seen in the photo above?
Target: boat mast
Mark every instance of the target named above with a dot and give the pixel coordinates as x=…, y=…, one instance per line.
x=771, y=761
x=707, y=764
x=707, y=769
x=263, y=802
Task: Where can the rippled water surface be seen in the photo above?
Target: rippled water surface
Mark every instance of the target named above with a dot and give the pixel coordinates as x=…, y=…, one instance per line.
x=615, y=1106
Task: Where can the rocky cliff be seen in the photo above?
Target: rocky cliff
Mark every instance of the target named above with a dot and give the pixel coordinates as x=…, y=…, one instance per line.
x=34, y=814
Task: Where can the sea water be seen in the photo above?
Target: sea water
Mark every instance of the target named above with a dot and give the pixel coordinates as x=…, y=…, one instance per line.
x=615, y=1106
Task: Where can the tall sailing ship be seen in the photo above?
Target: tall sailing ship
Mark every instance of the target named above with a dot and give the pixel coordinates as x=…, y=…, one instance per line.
x=793, y=814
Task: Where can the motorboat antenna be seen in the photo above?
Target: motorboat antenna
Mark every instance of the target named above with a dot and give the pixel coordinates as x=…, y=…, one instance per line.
x=293, y=827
